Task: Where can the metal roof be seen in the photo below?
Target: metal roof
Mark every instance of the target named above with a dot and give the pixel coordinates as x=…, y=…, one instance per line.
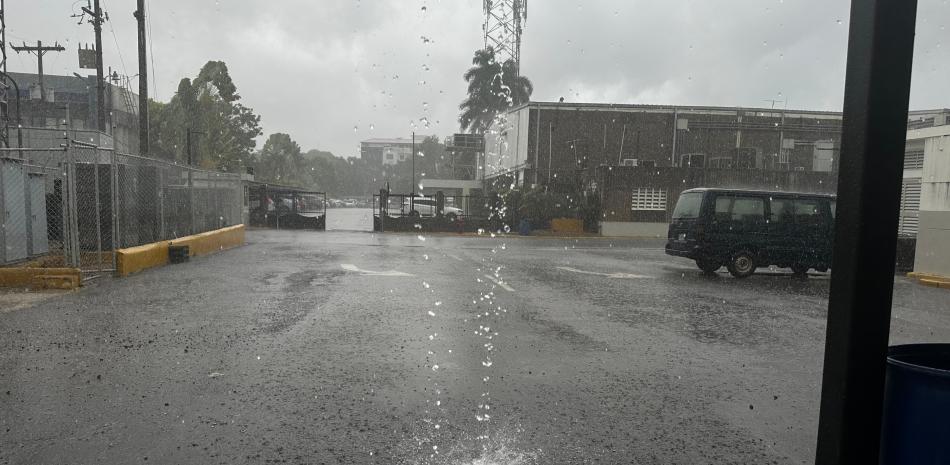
x=758, y=191
x=398, y=140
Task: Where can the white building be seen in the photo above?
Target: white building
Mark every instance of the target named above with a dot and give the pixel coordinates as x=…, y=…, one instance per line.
x=389, y=151
x=927, y=190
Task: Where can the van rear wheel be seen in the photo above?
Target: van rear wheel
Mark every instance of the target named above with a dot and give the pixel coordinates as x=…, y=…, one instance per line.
x=800, y=270
x=742, y=264
x=708, y=266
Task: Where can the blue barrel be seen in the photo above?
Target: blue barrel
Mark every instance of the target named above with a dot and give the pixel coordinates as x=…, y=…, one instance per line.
x=916, y=421
x=524, y=228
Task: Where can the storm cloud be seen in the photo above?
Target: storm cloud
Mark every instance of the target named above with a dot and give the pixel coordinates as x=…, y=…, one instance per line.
x=334, y=72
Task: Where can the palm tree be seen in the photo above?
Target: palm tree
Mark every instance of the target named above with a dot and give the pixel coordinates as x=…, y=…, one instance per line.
x=492, y=89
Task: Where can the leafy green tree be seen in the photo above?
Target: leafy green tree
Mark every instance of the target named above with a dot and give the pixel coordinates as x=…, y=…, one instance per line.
x=281, y=161
x=209, y=105
x=492, y=88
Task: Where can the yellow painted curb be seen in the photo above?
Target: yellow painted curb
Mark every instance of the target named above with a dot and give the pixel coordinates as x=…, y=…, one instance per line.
x=567, y=225
x=143, y=257
x=212, y=241
x=42, y=278
x=935, y=283
x=135, y=259
x=930, y=279
x=55, y=281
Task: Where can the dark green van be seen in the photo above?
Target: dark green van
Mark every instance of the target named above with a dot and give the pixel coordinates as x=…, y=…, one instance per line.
x=746, y=229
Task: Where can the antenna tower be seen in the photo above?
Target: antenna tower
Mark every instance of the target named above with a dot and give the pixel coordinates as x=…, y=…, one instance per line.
x=504, y=21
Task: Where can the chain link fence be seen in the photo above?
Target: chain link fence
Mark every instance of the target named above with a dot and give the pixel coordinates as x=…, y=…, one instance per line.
x=74, y=206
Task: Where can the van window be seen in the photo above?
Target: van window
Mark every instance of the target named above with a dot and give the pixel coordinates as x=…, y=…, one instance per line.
x=781, y=211
x=808, y=211
x=748, y=209
x=739, y=208
x=688, y=205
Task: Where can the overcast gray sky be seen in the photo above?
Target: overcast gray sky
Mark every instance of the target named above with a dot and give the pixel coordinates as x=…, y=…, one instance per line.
x=333, y=72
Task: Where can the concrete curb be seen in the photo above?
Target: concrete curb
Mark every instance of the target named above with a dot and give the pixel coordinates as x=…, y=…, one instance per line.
x=41, y=278
x=931, y=280
x=487, y=235
x=135, y=259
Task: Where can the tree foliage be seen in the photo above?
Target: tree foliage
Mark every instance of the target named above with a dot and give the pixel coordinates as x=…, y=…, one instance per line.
x=282, y=161
x=223, y=129
x=492, y=88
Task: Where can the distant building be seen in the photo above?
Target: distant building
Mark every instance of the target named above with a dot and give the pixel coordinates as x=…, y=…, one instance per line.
x=925, y=194
x=388, y=151
x=70, y=108
x=543, y=143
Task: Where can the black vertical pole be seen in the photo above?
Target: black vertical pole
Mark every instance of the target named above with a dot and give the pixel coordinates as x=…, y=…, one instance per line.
x=413, y=186
x=412, y=192
x=874, y=130
x=143, y=79
x=100, y=79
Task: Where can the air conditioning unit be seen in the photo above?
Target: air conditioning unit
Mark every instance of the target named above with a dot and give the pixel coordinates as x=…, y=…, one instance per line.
x=629, y=162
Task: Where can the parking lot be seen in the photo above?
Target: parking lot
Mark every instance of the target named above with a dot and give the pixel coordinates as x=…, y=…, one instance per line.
x=352, y=347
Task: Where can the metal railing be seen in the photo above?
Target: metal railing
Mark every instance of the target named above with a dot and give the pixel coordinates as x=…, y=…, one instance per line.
x=430, y=206
x=286, y=208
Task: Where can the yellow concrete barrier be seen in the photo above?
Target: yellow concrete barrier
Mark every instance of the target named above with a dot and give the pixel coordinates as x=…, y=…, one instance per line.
x=212, y=241
x=567, y=225
x=932, y=280
x=135, y=259
x=143, y=257
x=34, y=277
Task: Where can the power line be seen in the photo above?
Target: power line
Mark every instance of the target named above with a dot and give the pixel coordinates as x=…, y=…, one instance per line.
x=97, y=17
x=117, y=47
x=151, y=53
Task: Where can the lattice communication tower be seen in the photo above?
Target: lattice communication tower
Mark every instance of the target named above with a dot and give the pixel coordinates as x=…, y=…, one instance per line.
x=504, y=23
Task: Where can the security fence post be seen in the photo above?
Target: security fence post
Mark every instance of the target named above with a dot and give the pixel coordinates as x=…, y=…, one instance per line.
x=95, y=170
x=383, y=207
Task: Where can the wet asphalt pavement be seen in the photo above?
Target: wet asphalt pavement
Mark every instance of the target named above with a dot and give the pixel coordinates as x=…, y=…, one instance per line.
x=350, y=347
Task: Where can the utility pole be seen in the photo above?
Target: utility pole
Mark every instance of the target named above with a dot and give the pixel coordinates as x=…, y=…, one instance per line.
x=97, y=20
x=4, y=94
x=143, y=80
x=39, y=50
x=413, y=190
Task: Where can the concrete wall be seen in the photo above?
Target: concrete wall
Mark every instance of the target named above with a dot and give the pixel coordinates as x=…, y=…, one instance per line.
x=630, y=229
x=933, y=255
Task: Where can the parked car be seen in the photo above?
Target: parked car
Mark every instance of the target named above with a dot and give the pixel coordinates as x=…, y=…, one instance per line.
x=426, y=206
x=745, y=229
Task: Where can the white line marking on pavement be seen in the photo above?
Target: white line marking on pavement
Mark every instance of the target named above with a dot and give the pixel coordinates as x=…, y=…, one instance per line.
x=608, y=275
x=454, y=257
x=500, y=283
x=356, y=269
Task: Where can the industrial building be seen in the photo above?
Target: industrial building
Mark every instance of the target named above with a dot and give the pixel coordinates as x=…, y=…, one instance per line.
x=69, y=111
x=388, y=151
x=561, y=144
